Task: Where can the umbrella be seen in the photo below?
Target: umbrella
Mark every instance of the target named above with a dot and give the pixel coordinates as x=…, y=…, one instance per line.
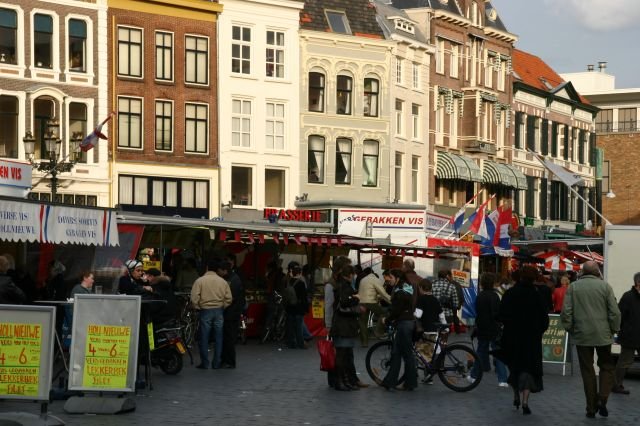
x=557, y=261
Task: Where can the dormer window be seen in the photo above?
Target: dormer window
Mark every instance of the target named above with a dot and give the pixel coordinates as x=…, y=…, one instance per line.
x=338, y=21
x=403, y=25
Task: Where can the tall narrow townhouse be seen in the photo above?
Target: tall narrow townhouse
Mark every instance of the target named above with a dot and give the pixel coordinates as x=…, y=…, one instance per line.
x=53, y=80
x=162, y=59
x=345, y=106
x=470, y=112
x=554, y=121
x=259, y=117
x=409, y=98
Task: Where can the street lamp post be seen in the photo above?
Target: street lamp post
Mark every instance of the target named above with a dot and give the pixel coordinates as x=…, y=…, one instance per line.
x=53, y=165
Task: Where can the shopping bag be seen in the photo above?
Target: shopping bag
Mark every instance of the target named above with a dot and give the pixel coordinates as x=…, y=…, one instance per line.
x=327, y=355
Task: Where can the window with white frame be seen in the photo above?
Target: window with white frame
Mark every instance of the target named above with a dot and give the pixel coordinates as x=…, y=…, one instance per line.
x=77, y=45
x=8, y=36
x=467, y=62
x=370, y=162
x=9, y=125
x=399, y=159
x=488, y=71
x=164, y=125
x=439, y=120
x=502, y=75
x=315, y=159
x=415, y=121
x=343, y=161
x=275, y=54
x=338, y=21
x=416, y=75
x=316, y=91
x=537, y=134
x=274, y=187
x=274, y=137
x=455, y=61
x=129, y=52
x=415, y=179
x=241, y=50
x=242, y=186
x=164, y=56
x=196, y=117
x=399, y=117
x=241, y=123
x=399, y=67
x=129, y=122
x=78, y=124
x=196, y=60
x=487, y=121
x=438, y=191
x=453, y=126
x=371, y=93
x=43, y=40
x=344, y=91
x=440, y=56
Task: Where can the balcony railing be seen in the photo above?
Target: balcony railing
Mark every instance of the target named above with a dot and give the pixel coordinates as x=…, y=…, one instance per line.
x=618, y=126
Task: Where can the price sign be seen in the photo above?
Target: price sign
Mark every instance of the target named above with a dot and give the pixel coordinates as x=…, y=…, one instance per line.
x=317, y=308
x=20, y=346
x=106, y=356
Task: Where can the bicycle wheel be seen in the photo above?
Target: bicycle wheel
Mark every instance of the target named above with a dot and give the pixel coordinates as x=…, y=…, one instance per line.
x=378, y=361
x=454, y=368
x=188, y=333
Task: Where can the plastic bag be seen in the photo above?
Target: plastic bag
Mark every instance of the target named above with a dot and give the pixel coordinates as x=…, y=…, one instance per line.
x=327, y=355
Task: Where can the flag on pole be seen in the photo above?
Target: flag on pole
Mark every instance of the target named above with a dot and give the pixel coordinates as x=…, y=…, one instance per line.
x=458, y=219
x=91, y=139
x=490, y=224
x=478, y=224
x=566, y=176
x=502, y=238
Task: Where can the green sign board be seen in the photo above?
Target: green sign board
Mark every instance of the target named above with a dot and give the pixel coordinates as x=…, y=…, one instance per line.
x=555, y=342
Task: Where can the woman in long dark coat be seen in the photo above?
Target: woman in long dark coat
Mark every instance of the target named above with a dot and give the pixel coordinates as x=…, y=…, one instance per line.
x=525, y=318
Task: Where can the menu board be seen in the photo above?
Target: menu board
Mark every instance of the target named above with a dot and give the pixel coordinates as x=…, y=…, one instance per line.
x=104, y=343
x=26, y=351
x=555, y=341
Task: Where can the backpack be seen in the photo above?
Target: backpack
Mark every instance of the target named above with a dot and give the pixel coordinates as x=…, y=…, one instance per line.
x=290, y=297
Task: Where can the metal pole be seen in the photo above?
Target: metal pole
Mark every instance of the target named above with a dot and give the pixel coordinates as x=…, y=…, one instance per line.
x=588, y=205
x=54, y=181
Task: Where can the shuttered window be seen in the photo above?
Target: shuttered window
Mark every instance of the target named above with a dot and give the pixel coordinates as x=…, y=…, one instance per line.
x=531, y=134
x=567, y=142
x=543, y=198
x=554, y=139
x=545, y=137
x=530, y=200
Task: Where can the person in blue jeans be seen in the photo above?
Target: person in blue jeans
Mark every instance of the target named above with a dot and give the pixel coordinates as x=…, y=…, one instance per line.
x=210, y=295
x=488, y=328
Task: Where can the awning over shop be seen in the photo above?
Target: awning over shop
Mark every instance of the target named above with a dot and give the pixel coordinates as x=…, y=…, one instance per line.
x=498, y=174
x=452, y=166
x=521, y=179
x=57, y=224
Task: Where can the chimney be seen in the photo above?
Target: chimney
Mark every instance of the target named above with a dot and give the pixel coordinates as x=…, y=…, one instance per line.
x=602, y=65
x=590, y=68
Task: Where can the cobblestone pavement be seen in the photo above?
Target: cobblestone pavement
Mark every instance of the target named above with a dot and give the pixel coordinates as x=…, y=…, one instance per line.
x=274, y=386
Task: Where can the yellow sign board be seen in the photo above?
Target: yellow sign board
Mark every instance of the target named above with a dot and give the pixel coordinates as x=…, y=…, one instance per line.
x=151, y=264
x=20, y=347
x=107, y=356
x=317, y=308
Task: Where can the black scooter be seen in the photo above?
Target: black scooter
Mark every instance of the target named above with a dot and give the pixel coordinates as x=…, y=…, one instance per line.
x=167, y=350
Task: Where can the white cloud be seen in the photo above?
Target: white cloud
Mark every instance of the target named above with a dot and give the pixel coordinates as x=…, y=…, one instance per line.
x=600, y=15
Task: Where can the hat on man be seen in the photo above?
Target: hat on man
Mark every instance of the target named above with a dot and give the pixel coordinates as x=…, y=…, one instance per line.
x=154, y=272
x=132, y=264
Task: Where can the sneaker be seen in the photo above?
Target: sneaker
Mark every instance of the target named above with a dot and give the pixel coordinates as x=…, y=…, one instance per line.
x=471, y=379
x=503, y=384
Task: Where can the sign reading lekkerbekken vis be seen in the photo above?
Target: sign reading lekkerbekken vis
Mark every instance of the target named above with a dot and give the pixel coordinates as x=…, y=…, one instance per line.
x=104, y=349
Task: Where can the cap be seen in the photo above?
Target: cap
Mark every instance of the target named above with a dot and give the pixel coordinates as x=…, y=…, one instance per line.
x=154, y=272
x=132, y=264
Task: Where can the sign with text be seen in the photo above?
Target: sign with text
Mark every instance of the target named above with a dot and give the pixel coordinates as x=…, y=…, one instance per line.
x=436, y=221
x=317, y=308
x=461, y=277
x=26, y=351
x=104, y=343
x=555, y=342
x=15, y=178
x=34, y=222
x=107, y=356
x=293, y=215
x=384, y=221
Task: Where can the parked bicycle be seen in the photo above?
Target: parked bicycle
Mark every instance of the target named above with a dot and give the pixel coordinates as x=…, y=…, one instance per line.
x=275, y=324
x=451, y=363
x=187, y=320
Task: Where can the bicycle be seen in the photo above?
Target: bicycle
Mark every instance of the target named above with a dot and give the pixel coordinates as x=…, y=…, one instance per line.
x=451, y=363
x=187, y=320
x=275, y=324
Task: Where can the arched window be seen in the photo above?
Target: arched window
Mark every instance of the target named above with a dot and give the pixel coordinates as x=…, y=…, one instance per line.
x=371, y=93
x=315, y=163
x=370, y=160
x=343, y=95
x=343, y=161
x=316, y=91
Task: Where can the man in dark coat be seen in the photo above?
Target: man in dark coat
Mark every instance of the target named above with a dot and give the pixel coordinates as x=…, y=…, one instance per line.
x=232, y=314
x=629, y=335
x=10, y=294
x=296, y=307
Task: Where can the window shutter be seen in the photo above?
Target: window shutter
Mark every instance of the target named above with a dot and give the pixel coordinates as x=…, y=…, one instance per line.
x=531, y=136
x=567, y=142
x=564, y=203
x=592, y=149
x=545, y=137
x=554, y=201
x=543, y=199
x=581, y=143
x=518, y=136
x=530, y=200
x=516, y=201
x=580, y=203
x=554, y=139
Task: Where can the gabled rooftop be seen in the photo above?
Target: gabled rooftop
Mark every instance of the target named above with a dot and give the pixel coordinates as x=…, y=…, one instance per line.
x=353, y=17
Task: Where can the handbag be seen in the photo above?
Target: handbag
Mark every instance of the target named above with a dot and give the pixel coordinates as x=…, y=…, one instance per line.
x=327, y=355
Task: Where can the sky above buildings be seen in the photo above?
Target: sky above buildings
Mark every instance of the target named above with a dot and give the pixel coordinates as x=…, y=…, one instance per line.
x=570, y=34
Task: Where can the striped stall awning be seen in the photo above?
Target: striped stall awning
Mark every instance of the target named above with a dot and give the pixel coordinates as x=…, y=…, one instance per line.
x=521, y=179
x=452, y=166
x=498, y=174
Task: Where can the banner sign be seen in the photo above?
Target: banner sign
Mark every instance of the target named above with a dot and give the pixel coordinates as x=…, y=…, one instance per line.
x=15, y=178
x=461, y=277
x=107, y=356
x=555, y=342
x=26, y=351
x=46, y=223
x=384, y=222
x=435, y=222
x=104, y=343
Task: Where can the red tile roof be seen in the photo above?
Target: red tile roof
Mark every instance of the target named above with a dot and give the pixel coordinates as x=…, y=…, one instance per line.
x=533, y=72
